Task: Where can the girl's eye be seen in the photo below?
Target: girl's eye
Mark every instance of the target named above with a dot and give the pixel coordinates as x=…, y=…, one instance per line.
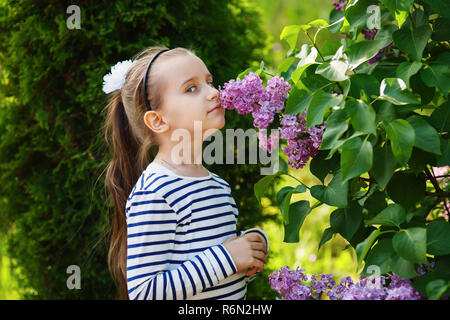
x=210, y=82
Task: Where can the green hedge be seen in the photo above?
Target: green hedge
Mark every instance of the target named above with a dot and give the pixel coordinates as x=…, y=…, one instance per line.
x=52, y=156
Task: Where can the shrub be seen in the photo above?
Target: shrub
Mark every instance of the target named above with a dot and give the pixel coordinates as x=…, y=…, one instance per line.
x=380, y=84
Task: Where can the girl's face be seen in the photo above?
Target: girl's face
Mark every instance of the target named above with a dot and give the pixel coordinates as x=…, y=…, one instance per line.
x=189, y=95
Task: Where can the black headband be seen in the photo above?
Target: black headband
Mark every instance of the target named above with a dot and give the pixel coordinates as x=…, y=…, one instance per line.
x=144, y=84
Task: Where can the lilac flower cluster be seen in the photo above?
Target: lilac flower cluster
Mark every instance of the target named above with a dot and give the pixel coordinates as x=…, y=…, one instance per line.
x=248, y=95
x=294, y=285
x=369, y=34
x=339, y=4
x=303, y=144
x=374, y=288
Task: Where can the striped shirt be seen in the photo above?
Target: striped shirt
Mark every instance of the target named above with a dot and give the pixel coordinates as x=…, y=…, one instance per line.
x=175, y=229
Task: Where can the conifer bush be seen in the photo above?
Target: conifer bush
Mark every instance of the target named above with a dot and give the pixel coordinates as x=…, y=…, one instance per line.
x=54, y=207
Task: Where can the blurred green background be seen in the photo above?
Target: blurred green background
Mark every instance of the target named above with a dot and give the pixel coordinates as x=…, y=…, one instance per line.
x=332, y=258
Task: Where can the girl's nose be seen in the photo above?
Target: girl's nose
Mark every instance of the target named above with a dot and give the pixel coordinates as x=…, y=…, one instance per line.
x=214, y=94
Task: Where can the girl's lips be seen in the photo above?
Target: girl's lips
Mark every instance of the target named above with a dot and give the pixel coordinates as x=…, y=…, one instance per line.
x=218, y=107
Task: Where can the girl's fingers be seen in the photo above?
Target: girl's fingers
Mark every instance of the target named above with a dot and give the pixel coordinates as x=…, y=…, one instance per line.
x=258, y=246
x=258, y=264
x=251, y=271
x=254, y=237
x=260, y=255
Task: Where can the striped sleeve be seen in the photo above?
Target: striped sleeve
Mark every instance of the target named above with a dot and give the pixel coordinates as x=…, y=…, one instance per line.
x=151, y=243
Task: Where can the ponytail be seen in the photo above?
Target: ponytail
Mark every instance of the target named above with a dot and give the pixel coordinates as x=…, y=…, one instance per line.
x=121, y=174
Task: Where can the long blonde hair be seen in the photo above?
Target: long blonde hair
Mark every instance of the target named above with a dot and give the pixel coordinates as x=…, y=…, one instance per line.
x=131, y=144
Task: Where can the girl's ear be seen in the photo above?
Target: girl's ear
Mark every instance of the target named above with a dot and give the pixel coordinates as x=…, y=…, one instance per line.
x=155, y=121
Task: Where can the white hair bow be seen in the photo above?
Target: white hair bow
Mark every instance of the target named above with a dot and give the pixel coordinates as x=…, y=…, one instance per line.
x=116, y=78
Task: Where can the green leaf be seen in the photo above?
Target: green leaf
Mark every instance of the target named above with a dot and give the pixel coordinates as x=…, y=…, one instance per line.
x=411, y=244
x=380, y=255
x=393, y=215
x=407, y=69
x=412, y=40
x=284, y=199
x=329, y=48
x=438, y=73
x=334, y=70
x=441, y=29
x=297, y=214
x=436, y=288
x=318, y=23
x=395, y=91
x=402, y=137
x=384, y=165
x=440, y=6
x=346, y=221
x=336, y=125
x=261, y=187
x=311, y=80
x=362, y=116
x=403, y=268
x=326, y=236
x=319, y=103
x=366, y=82
x=444, y=159
x=339, y=143
x=356, y=158
x=336, y=20
x=416, y=186
x=286, y=63
x=335, y=194
x=357, y=14
x=290, y=35
x=321, y=167
x=363, y=51
x=297, y=100
x=396, y=6
x=375, y=203
x=440, y=118
x=438, y=237
x=363, y=248
x=296, y=75
x=247, y=71
x=426, y=137
x=418, y=86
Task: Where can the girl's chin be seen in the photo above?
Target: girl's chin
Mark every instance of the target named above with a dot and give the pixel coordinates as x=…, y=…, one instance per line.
x=218, y=123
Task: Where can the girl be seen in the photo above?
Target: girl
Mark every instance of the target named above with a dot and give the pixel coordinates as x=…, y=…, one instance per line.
x=174, y=225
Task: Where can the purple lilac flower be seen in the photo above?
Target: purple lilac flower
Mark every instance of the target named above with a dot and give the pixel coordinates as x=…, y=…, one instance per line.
x=248, y=95
x=277, y=89
x=377, y=57
x=369, y=34
x=291, y=285
x=300, y=149
x=243, y=94
x=424, y=268
x=401, y=289
x=321, y=283
x=337, y=291
x=339, y=4
x=268, y=143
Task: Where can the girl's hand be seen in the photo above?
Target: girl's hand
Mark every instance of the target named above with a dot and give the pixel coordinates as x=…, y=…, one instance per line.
x=263, y=241
x=248, y=252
